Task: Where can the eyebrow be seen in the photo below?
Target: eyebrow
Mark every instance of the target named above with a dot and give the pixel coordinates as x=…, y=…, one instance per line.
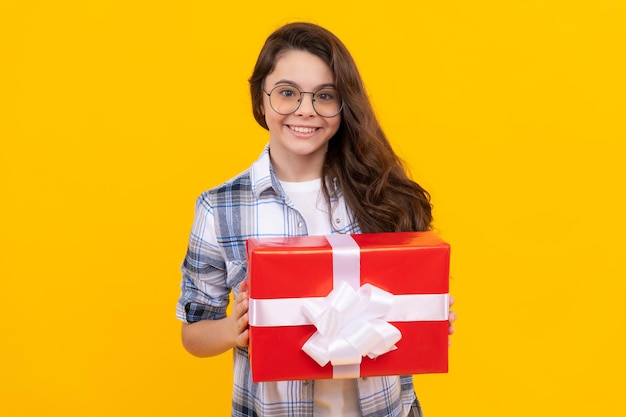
x=319, y=87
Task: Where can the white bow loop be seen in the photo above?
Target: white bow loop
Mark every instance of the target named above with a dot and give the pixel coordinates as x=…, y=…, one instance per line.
x=350, y=324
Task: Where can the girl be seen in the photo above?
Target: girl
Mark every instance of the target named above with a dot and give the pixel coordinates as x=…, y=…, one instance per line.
x=328, y=168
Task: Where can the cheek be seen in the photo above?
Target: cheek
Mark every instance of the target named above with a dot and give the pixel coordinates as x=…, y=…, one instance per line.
x=336, y=124
x=264, y=105
x=273, y=120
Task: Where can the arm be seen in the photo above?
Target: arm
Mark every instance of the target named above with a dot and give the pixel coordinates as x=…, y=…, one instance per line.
x=212, y=337
x=206, y=330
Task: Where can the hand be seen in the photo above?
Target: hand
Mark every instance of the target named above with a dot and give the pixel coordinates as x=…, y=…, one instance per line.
x=239, y=315
x=451, y=319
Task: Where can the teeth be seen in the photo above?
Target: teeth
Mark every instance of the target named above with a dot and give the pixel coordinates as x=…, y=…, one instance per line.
x=303, y=129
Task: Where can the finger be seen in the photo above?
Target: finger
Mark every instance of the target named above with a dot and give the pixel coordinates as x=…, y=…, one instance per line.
x=452, y=317
x=240, y=325
x=243, y=338
x=243, y=287
x=243, y=295
x=451, y=301
x=240, y=307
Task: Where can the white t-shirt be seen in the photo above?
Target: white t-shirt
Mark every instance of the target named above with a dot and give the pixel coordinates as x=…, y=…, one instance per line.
x=308, y=199
x=331, y=397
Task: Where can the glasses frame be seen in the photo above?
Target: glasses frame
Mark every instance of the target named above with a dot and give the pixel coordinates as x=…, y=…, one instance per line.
x=269, y=95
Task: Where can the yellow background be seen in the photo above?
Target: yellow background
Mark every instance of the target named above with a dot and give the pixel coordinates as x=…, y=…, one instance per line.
x=116, y=114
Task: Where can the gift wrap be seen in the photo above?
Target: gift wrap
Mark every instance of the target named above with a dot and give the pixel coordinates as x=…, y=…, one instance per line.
x=347, y=306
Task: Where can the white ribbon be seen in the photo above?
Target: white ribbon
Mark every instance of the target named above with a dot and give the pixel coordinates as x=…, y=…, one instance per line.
x=277, y=312
x=350, y=325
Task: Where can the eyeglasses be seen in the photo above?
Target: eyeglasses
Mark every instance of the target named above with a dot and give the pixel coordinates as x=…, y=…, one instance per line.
x=286, y=99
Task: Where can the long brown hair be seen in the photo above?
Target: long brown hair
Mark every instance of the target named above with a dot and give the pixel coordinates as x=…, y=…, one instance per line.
x=371, y=176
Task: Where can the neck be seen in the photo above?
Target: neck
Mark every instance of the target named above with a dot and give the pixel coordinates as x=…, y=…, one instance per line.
x=297, y=169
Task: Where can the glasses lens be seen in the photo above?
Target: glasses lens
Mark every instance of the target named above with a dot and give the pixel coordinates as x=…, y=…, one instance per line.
x=284, y=99
x=327, y=102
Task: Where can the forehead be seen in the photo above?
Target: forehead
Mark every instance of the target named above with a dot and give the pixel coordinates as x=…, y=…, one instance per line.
x=300, y=67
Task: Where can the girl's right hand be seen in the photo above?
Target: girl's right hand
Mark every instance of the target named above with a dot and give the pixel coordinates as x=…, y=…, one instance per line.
x=239, y=315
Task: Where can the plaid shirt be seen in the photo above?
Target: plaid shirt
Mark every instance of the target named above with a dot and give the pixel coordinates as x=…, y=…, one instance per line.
x=253, y=204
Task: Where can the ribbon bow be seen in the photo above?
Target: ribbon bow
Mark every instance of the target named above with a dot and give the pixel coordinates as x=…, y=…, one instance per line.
x=350, y=325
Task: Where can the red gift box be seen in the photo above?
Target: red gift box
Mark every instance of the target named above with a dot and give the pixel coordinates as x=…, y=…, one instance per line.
x=396, y=285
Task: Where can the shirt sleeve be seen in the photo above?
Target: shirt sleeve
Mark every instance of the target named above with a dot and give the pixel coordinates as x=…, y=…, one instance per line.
x=204, y=291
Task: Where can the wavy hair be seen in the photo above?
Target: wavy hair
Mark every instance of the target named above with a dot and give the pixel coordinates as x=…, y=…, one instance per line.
x=371, y=176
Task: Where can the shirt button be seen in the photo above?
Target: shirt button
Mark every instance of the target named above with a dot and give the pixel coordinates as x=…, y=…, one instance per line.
x=305, y=383
x=364, y=378
x=299, y=225
x=337, y=220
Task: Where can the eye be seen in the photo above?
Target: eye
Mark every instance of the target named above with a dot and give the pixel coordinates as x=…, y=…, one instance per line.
x=287, y=92
x=326, y=95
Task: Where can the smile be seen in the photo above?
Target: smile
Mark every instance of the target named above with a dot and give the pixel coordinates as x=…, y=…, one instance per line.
x=301, y=129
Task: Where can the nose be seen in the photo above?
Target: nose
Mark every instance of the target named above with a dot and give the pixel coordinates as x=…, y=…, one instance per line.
x=306, y=105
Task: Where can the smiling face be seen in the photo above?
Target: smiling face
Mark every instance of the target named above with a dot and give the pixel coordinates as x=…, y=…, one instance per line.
x=298, y=141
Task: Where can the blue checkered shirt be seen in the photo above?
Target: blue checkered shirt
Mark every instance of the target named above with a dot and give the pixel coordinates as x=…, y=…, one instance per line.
x=253, y=204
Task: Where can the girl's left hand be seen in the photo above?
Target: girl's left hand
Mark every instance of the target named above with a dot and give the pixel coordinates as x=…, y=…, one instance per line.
x=451, y=319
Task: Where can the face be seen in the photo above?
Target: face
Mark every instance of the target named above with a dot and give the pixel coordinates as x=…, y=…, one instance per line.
x=299, y=140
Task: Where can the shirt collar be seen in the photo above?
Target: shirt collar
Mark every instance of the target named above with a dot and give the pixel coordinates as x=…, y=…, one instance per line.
x=262, y=175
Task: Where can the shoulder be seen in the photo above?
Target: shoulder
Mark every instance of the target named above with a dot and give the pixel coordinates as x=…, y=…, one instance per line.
x=244, y=187
x=230, y=190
